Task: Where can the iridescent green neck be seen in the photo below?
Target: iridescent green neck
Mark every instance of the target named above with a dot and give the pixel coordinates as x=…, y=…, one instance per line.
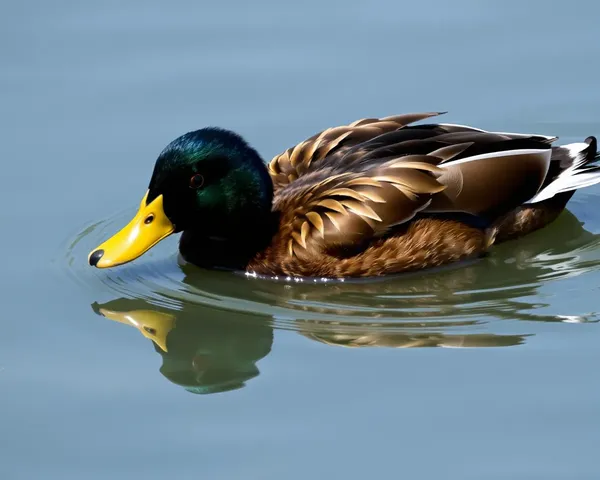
x=216, y=188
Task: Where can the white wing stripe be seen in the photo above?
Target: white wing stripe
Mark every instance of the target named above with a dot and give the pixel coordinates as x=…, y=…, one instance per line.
x=546, y=152
x=516, y=135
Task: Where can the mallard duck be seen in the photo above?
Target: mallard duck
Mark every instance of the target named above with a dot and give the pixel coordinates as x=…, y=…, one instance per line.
x=376, y=197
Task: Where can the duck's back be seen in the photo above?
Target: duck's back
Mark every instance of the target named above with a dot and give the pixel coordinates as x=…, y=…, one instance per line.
x=350, y=186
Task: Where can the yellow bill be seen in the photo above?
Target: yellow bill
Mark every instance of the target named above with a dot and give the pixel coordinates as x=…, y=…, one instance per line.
x=149, y=226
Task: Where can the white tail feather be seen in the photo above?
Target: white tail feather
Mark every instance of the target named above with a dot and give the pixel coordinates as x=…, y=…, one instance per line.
x=577, y=151
x=563, y=183
x=573, y=177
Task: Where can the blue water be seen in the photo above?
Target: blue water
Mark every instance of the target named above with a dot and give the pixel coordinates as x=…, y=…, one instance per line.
x=255, y=381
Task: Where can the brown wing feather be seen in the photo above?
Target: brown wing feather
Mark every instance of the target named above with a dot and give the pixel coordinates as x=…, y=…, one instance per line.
x=349, y=208
x=494, y=185
x=296, y=161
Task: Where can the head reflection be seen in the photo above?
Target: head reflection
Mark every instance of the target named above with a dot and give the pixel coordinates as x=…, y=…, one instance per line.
x=203, y=350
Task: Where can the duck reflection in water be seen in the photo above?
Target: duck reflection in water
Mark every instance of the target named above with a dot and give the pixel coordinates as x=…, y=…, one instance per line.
x=209, y=350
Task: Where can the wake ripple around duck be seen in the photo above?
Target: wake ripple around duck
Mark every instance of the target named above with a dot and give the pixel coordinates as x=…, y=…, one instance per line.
x=489, y=302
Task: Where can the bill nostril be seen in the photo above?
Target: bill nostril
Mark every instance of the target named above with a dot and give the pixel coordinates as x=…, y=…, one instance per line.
x=95, y=257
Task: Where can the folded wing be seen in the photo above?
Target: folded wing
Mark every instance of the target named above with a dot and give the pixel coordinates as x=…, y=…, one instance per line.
x=354, y=183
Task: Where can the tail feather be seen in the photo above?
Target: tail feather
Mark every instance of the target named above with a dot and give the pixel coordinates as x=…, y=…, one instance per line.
x=581, y=171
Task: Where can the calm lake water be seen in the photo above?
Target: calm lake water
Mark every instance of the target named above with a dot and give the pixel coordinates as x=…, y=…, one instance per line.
x=156, y=370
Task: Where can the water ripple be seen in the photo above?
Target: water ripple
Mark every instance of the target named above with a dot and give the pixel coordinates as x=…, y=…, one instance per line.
x=510, y=284
x=211, y=328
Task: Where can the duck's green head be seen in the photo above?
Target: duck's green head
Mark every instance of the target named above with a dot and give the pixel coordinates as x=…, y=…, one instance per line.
x=209, y=181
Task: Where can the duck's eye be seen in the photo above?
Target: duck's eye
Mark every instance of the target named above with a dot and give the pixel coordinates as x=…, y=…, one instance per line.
x=196, y=181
